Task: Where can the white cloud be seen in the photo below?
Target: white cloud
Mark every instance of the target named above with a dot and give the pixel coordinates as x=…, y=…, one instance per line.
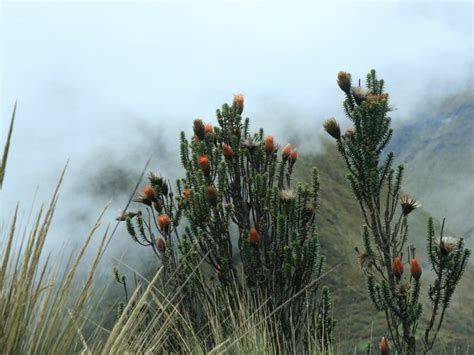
x=85, y=74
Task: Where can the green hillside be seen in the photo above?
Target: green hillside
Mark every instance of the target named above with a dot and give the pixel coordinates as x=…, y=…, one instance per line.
x=340, y=226
x=437, y=150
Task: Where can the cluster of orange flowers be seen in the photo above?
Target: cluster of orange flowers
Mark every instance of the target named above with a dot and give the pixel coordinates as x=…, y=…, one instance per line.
x=201, y=131
x=415, y=268
x=377, y=98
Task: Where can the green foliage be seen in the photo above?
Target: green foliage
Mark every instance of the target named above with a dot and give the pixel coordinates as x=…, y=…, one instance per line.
x=377, y=187
x=243, y=217
x=325, y=321
x=448, y=259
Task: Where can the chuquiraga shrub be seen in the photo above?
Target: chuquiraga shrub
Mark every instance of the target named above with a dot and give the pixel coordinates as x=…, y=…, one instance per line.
x=377, y=188
x=237, y=210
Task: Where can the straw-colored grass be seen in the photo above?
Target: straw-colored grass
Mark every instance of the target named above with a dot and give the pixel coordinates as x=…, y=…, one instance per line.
x=37, y=314
x=42, y=313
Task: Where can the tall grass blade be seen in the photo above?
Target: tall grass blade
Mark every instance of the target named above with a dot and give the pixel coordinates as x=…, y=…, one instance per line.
x=3, y=163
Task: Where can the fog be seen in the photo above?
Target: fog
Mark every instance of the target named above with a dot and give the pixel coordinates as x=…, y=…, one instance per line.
x=110, y=85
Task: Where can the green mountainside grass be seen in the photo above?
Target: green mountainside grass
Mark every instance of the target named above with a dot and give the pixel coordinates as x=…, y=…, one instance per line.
x=437, y=150
x=340, y=225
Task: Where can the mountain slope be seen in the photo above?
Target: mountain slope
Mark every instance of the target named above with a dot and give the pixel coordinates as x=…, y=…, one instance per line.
x=437, y=150
x=340, y=225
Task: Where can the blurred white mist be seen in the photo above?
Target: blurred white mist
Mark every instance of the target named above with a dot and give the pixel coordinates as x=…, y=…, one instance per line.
x=107, y=85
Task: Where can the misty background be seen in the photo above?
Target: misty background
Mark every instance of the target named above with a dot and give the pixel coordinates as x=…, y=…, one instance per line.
x=110, y=85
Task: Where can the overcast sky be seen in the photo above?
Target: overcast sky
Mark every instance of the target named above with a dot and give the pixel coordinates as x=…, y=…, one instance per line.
x=97, y=80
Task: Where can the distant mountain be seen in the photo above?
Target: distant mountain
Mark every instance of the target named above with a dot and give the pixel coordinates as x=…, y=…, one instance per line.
x=437, y=149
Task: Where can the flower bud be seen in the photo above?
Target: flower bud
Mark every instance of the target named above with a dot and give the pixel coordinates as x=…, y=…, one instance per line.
x=186, y=193
x=415, y=269
x=203, y=163
x=294, y=155
x=149, y=192
x=402, y=288
x=211, y=195
x=269, y=144
x=448, y=244
x=160, y=244
x=227, y=151
x=408, y=204
x=344, y=81
x=208, y=128
x=164, y=222
x=142, y=199
x=373, y=98
x=383, y=346
x=239, y=101
x=286, y=152
x=155, y=179
x=287, y=195
x=360, y=94
x=349, y=133
x=199, y=129
x=397, y=267
x=332, y=127
x=254, y=237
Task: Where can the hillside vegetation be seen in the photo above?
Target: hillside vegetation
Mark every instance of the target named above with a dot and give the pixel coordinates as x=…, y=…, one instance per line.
x=46, y=309
x=340, y=231
x=438, y=153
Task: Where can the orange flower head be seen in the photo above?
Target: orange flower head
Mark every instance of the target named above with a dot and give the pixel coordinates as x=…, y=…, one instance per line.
x=149, y=192
x=254, y=237
x=286, y=152
x=269, y=144
x=239, y=101
x=383, y=346
x=160, y=244
x=186, y=193
x=203, y=163
x=208, y=128
x=227, y=150
x=415, y=269
x=294, y=155
x=211, y=195
x=164, y=222
x=397, y=267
